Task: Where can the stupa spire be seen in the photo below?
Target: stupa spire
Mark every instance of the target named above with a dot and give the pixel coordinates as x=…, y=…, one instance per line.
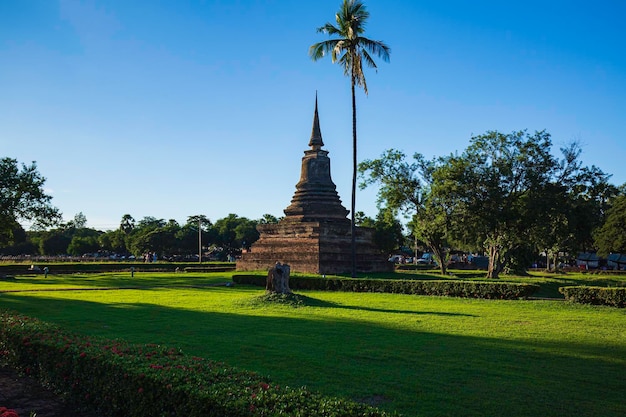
x=316, y=197
x=316, y=141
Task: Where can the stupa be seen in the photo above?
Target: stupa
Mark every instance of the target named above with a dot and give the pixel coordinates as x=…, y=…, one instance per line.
x=314, y=236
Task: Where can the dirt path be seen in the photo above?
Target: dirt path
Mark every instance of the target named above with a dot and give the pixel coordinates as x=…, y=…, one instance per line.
x=25, y=395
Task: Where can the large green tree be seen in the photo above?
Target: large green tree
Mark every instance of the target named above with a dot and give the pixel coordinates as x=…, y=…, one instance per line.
x=351, y=50
x=405, y=186
x=23, y=198
x=492, y=191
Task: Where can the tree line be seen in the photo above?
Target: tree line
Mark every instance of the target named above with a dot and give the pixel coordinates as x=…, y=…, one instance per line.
x=167, y=239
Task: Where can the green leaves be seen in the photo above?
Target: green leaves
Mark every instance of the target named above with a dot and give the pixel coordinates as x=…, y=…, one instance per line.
x=350, y=48
x=22, y=197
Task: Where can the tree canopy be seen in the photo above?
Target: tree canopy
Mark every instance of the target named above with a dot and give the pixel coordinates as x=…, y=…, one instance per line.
x=23, y=198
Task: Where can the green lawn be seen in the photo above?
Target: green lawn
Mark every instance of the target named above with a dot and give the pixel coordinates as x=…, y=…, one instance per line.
x=421, y=356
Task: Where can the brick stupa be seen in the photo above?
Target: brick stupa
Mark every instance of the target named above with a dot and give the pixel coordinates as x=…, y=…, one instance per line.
x=314, y=236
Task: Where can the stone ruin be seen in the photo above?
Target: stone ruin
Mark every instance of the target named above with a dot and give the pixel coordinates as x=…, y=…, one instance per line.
x=278, y=279
x=315, y=234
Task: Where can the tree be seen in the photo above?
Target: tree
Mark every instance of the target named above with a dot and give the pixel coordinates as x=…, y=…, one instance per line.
x=113, y=241
x=18, y=243
x=405, y=187
x=492, y=191
x=234, y=232
x=146, y=236
x=610, y=238
x=22, y=197
x=54, y=242
x=268, y=219
x=80, y=220
x=431, y=225
x=350, y=50
x=127, y=224
x=83, y=244
x=400, y=182
x=388, y=231
x=572, y=206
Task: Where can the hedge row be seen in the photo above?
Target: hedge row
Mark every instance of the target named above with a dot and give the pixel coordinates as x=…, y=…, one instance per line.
x=209, y=269
x=451, y=288
x=614, y=296
x=114, y=378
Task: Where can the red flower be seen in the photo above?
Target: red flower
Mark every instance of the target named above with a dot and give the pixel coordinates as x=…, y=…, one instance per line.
x=5, y=412
x=140, y=390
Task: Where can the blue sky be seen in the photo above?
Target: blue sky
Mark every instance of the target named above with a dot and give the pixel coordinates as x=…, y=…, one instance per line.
x=176, y=108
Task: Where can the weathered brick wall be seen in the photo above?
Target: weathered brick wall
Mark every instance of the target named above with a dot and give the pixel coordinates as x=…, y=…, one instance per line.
x=313, y=247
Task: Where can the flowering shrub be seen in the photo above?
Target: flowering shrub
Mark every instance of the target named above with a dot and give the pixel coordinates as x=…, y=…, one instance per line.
x=115, y=378
x=7, y=412
x=449, y=288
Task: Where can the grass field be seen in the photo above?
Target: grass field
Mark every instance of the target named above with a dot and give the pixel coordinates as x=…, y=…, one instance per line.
x=421, y=356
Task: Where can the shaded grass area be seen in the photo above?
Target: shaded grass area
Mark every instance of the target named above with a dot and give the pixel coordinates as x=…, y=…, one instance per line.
x=111, y=280
x=422, y=356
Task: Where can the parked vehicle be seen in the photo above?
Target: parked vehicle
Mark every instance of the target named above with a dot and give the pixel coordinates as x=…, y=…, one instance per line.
x=427, y=258
x=397, y=259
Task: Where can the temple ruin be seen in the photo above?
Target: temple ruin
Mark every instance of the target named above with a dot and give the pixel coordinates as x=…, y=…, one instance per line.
x=314, y=236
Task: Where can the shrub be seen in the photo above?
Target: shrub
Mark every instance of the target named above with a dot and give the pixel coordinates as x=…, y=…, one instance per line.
x=115, y=378
x=7, y=412
x=451, y=288
x=615, y=296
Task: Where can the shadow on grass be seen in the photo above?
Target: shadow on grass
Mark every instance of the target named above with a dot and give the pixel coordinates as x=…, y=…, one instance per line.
x=113, y=280
x=416, y=373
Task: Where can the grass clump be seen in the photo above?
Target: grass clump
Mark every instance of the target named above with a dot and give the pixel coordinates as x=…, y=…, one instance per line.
x=273, y=298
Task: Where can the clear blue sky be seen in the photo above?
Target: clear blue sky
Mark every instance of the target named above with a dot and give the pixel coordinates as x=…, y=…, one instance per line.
x=176, y=108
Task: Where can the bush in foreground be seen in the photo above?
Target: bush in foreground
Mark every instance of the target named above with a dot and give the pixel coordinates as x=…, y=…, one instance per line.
x=115, y=378
x=614, y=296
x=450, y=288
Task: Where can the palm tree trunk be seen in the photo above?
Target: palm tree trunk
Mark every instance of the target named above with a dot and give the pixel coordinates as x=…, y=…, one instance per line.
x=354, y=170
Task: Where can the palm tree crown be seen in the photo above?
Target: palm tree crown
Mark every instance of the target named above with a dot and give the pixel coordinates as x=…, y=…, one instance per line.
x=350, y=49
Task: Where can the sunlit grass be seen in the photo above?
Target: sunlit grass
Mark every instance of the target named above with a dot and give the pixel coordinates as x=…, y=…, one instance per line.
x=422, y=356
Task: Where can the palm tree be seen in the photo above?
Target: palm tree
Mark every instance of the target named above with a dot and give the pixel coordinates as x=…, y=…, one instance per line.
x=350, y=49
